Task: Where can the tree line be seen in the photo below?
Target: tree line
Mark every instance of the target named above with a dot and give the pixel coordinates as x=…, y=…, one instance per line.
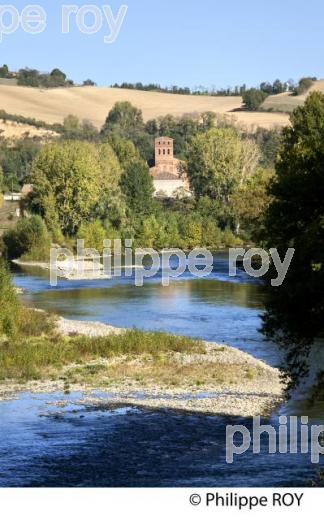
x=254, y=97
x=95, y=183
x=27, y=77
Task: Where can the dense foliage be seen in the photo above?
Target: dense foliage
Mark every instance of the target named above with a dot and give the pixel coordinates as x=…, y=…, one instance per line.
x=303, y=85
x=8, y=302
x=296, y=219
x=253, y=98
x=97, y=183
x=69, y=178
x=33, y=78
x=16, y=160
x=29, y=239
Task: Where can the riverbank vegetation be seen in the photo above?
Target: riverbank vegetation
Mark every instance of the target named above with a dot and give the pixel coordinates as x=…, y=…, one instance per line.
x=31, y=345
x=16, y=321
x=295, y=218
x=37, y=352
x=45, y=356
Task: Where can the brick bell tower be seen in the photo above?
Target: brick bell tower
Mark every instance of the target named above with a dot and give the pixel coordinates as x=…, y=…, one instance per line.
x=163, y=150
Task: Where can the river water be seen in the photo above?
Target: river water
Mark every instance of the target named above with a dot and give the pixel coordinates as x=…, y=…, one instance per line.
x=45, y=444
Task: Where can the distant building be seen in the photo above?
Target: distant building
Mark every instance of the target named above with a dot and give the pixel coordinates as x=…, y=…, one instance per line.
x=169, y=177
x=12, y=197
x=17, y=196
x=26, y=189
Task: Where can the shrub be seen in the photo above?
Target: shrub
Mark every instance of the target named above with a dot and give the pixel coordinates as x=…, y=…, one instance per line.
x=32, y=358
x=304, y=85
x=29, y=238
x=212, y=235
x=229, y=239
x=8, y=303
x=93, y=234
x=253, y=98
x=33, y=323
x=15, y=320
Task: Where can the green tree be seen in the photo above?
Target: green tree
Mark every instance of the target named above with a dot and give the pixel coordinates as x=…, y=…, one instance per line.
x=295, y=219
x=51, y=218
x=2, y=183
x=266, y=87
x=30, y=236
x=148, y=232
x=58, y=77
x=278, y=87
x=172, y=234
x=212, y=235
x=137, y=186
x=88, y=131
x=71, y=124
x=253, y=98
x=109, y=166
x=219, y=161
x=89, y=83
x=249, y=203
x=304, y=85
x=76, y=174
x=191, y=232
x=124, y=120
x=28, y=78
x=93, y=234
x=208, y=120
x=16, y=159
x=269, y=142
x=73, y=128
x=124, y=149
x=8, y=303
x=4, y=71
x=111, y=209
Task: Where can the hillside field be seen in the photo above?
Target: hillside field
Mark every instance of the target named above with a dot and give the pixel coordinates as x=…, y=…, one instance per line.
x=286, y=102
x=94, y=103
x=13, y=130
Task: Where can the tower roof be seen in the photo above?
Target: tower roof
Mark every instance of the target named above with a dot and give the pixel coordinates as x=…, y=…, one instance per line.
x=164, y=138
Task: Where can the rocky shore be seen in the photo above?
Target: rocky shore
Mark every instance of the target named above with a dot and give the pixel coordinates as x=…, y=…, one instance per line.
x=69, y=271
x=234, y=383
x=92, y=329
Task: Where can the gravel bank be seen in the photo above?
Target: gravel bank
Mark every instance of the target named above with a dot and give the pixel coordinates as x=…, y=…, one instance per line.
x=245, y=396
x=92, y=329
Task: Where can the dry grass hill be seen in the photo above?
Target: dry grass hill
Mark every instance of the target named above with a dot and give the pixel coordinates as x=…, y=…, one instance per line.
x=286, y=102
x=94, y=103
x=13, y=130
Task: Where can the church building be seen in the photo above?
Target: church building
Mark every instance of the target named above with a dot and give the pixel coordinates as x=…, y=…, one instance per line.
x=169, y=178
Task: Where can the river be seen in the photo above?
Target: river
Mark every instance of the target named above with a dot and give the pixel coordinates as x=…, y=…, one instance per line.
x=44, y=444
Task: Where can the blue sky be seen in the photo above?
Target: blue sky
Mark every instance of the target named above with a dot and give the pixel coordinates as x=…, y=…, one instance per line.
x=185, y=42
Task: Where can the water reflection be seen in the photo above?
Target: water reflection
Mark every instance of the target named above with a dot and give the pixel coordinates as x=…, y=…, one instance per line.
x=42, y=444
x=213, y=309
